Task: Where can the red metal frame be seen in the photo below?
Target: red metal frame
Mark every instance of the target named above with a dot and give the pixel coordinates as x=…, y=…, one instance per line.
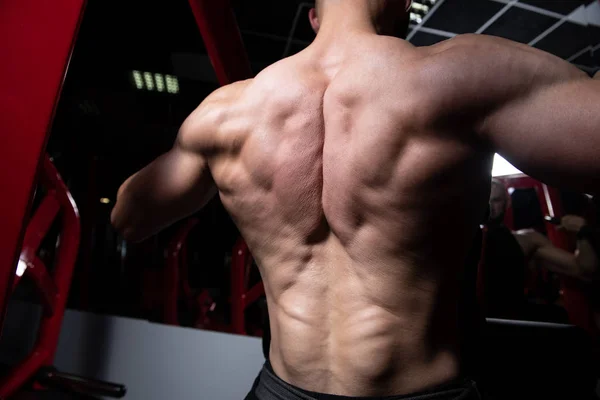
x=54, y=288
x=221, y=35
x=550, y=203
x=45, y=287
x=241, y=296
x=34, y=30
x=176, y=273
x=36, y=41
x=177, y=286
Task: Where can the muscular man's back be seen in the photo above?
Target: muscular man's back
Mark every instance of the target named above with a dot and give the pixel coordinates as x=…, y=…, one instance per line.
x=349, y=197
x=357, y=171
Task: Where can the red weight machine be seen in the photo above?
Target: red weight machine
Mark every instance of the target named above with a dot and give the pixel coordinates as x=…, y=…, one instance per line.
x=221, y=35
x=177, y=287
x=46, y=30
x=37, y=42
x=242, y=296
x=31, y=31
x=52, y=289
x=176, y=282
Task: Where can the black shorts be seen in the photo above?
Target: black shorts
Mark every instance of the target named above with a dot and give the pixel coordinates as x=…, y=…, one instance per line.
x=268, y=386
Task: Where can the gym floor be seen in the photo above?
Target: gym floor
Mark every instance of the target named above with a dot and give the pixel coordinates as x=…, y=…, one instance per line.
x=154, y=361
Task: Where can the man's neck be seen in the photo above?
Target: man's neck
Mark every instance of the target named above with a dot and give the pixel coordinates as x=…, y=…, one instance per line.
x=340, y=24
x=343, y=18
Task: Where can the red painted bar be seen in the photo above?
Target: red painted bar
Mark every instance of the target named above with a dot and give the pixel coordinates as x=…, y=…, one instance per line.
x=43, y=283
x=39, y=225
x=254, y=294
x=176, y=273
x=54, y=289
x=36, y=41
x=221, y=34
x=239, y=259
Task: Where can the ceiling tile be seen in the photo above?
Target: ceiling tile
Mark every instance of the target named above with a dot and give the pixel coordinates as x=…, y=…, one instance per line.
x=564, y=7
x=520, y=25
x=566, y=40
x=594, y=34
x=463, y=16
x=426, y=39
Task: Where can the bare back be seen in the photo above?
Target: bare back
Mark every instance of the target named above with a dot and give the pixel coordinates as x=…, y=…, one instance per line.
x=359, y=211
x=357, y=171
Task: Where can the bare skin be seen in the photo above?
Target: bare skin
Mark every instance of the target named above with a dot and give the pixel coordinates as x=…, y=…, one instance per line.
x=348, y=171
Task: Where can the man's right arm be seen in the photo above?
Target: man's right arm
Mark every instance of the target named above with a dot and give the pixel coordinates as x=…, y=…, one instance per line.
x=538, y=111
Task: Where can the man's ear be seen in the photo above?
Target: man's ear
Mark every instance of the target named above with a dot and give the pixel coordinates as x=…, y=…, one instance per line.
x=314, y=19
x=408, y=5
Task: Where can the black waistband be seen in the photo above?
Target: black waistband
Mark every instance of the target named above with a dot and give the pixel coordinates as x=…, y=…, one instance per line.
x=271, y=387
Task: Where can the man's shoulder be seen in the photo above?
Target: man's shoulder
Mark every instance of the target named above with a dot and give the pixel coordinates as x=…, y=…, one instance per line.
x=488, y=60
x=226, y=93
x=474, y=53
x=466, y=74
x=472, y=43
x=199, y=130
x=295, y=72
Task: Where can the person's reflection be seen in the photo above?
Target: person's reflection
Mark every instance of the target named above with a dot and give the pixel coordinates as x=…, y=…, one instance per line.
x=508, y=254
x=504, y=262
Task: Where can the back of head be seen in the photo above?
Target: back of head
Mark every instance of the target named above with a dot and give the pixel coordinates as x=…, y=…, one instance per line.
x=499, y=200
x=391, y=17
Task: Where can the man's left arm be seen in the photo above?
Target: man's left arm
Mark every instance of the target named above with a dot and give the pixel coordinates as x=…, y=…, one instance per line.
x=582, y=265
x=172, y=187
x=585, y=254
x=535, y=109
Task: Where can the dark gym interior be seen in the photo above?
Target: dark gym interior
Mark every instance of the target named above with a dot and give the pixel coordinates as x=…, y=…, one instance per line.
x=136, y=71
